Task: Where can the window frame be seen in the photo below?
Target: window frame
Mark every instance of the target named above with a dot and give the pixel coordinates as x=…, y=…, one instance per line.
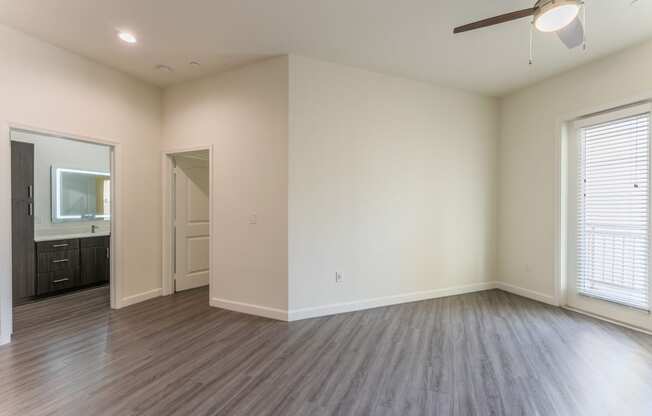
x=619, y=312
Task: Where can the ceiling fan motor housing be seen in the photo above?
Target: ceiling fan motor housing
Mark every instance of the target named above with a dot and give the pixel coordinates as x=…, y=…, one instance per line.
x=541, y=3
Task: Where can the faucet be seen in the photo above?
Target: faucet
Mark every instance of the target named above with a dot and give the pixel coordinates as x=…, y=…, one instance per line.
x=94, y=228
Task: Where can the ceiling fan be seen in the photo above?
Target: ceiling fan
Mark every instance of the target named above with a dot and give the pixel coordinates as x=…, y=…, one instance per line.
x=559, y=16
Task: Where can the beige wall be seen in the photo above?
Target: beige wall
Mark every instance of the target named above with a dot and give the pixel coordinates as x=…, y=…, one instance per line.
x=530, y=124
x=243, y=114
x=392, y=183
x=46, y=87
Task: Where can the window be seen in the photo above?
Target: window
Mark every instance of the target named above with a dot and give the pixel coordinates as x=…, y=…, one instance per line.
x=613, y=210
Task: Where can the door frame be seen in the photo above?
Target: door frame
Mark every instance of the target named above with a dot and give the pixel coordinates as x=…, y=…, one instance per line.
x=167, y=170
x=562, y=140
x=115, y=279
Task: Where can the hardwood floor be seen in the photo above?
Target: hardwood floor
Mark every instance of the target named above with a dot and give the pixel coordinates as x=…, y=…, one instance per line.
x=487, y=353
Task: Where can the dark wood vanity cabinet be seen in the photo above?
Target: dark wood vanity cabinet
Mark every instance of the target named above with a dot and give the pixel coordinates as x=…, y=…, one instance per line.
x=70, y=264
x=57, y=265
x=94, y=260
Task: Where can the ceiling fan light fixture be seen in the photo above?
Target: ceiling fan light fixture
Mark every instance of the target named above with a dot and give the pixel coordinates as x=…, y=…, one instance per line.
x=554, y=15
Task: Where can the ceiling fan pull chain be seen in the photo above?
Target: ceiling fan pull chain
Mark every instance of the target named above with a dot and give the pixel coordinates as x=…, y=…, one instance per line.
x=531, y=42
x=585, y=25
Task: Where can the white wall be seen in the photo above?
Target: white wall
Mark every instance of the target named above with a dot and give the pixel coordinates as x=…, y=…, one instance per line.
x=243, y=114
x=45, y=87
x=53, y=151
x=392, y=183
x=530, y=124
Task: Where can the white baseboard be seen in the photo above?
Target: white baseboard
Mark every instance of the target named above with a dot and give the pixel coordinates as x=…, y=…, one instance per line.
x=5, y=339
x=264, y=311
x=527, y=293
x=141, y=297
x=337, y=308
x=611, y=321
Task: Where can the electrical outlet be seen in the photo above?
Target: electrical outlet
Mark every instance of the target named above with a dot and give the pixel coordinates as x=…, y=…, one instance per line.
x=253, y=219
x=338, y=277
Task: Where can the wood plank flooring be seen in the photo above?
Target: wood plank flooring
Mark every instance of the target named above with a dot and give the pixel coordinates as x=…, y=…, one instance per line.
x=487, y=353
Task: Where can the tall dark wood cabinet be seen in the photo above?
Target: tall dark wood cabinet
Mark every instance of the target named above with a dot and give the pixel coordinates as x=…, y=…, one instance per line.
x=22, y=222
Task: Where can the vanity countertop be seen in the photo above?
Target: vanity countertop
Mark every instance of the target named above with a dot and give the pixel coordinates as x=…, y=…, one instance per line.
x=52, y=237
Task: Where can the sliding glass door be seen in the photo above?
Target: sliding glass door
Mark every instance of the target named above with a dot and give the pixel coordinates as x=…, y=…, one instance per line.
x=609, y=215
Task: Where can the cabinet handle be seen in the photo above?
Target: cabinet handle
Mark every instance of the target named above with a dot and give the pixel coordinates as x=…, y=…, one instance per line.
x=30, y=209
x=60, y=261
x=30, y=191
x=60, y=245
x=107, y=253
x=60, y=280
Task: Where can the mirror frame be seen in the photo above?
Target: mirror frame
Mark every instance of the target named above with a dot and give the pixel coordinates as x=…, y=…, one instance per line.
x=55, y=195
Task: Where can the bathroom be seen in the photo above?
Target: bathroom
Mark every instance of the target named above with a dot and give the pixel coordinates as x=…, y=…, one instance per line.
x=61, y=220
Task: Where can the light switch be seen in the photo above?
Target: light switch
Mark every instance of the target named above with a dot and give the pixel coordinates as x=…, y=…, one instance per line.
x=253, y=219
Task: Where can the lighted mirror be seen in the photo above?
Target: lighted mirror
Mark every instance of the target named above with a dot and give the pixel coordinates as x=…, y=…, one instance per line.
x=80, y=195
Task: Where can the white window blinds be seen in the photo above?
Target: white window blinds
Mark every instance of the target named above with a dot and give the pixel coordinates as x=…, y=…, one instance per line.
x=613, y=211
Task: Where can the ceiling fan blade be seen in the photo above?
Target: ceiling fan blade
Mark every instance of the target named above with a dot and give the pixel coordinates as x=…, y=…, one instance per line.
x=496, y=20
x=572, y=35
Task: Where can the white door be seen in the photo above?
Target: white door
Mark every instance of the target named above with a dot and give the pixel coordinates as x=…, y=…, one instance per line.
x=609, y=216
x=191, y=222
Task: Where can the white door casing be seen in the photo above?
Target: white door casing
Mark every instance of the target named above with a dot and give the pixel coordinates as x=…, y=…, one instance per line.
x=627, y=315
x=191, y=221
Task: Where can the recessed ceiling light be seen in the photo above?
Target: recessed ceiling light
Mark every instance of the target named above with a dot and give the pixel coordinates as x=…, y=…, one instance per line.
x=164, y=68
x=127, y=37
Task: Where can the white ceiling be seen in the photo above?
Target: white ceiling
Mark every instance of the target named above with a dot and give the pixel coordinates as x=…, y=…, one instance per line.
x=410, y=38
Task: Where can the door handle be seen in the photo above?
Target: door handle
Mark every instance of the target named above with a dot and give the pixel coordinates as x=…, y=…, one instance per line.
x=61, y=261
x=60, y=280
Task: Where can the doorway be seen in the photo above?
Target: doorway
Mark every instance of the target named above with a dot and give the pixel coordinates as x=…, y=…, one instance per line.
x=63, y=195
x=608, y=216
x=187, y=242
